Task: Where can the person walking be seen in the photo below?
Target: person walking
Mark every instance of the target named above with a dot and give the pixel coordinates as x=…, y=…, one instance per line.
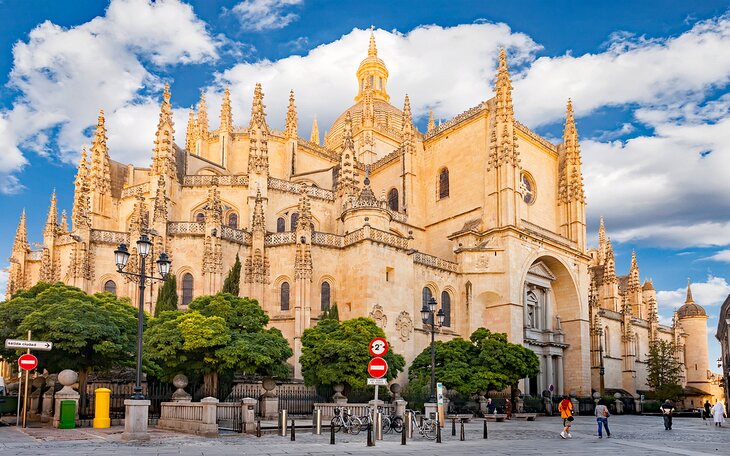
x=508, y=409
x=718, y=413
x=566, y=413
x=602, y=415
x=667, y=409
x=707, y=411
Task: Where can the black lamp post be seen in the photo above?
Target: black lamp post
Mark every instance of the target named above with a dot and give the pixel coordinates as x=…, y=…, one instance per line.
x=601, y=369
x=163, y=265
x=427, y=315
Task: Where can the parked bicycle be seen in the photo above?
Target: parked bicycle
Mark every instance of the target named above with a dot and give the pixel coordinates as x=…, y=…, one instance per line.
x=426, y=429
x=386, y=421
x=346, y=421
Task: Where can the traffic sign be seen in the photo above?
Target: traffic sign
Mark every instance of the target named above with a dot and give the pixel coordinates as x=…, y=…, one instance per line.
x=377, y=367
x=28, y=344
x=377, y=381
x=378, y=347
x=27, y=362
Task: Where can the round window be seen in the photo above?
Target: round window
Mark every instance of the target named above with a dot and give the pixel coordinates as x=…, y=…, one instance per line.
x=528, y=188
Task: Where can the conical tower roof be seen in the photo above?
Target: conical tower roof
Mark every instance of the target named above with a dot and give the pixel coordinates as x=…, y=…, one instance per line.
x=690, y=308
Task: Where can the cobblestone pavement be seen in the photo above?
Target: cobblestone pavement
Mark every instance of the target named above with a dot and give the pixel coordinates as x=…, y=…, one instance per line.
x=631, y=435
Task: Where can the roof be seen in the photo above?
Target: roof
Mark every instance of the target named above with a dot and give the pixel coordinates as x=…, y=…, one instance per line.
x=386, y=115
x=691, y=309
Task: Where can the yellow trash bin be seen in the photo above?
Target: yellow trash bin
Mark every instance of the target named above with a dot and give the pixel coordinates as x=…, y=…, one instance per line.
x=101, y=407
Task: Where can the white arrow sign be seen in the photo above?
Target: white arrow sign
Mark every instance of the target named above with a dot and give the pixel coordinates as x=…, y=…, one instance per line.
x=29, y=344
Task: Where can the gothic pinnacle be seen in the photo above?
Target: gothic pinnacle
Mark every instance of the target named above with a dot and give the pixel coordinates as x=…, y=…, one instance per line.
x=431, y=123
x=100, y=171
x=689, y=299
x=291, y=118
x=21, y=234
x=314, y=137
x=52, y=219
x=258, y=116
x=372, y=49
x=226, y=113
x=191, y=133
x=503, y=90
x=407, y=116
x=202, y=117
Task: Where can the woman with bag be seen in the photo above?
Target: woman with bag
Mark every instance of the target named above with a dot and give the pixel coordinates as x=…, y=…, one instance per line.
x=566, y=412
x=602, y=415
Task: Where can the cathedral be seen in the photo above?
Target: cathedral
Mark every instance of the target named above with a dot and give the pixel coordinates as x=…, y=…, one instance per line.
x=479, y=212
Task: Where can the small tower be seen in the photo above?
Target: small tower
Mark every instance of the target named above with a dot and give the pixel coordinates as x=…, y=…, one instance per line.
x=693, y=320
x=372, y=73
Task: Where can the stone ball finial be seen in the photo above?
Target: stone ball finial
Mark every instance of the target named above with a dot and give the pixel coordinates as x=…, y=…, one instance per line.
x=180, y=381
x=68, y=377
x=617, y=396
x=596, y=395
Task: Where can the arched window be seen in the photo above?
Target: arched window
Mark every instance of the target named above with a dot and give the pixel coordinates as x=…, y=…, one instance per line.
x=187, y=288
x=325, y=296
x=110, y=287
x=284, y=299
x=532, y=304
x=200, y=217
x=528, y=188
x=444, y=183
x=233, y=220
x=393, y=199
x=446, y=307
x=294, y=220
x=426, y=296
x=280, y=225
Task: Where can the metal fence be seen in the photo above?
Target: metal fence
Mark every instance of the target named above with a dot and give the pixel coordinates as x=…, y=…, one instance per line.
x=155, y=392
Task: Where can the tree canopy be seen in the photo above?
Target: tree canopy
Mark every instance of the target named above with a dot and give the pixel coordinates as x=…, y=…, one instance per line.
x=219, y=333
x=233, y=280
x=88, y=331
x=663, y=371
x=487, y=361
x=337, y=352
x=167, y=296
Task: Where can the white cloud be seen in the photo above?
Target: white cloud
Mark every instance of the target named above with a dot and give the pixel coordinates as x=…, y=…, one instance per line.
x=258, y=15
x=64, y=75
x=3, y=281
x=722, y=256
x=711, y=293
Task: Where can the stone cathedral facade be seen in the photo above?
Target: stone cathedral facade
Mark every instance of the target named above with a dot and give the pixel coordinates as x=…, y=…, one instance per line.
x=479, y=212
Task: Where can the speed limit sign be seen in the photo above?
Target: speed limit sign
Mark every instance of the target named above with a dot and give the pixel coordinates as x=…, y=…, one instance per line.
x=378, y=347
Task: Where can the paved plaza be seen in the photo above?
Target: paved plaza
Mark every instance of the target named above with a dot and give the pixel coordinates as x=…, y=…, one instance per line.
x=631, y=435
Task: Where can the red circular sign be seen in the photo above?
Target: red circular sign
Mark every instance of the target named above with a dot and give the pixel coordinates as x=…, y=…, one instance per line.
x=27, y=362
x=377, y=367
x=378, y=347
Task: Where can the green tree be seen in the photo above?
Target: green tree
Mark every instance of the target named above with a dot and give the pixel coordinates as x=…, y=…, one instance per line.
x=233, y=280
x=337, y=352
x=89, y=332
x=219, y=334
x=487, y=361
x=664, y=371
x=167, y=296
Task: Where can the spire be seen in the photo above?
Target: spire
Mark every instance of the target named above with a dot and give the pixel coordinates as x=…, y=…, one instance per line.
x=408, y=128
x=226, y=114
x=160, y=209
x=258, y=155
x=503, y=149
x=689, y=299
x=634, y=283
x=601, y=233
x=163, y=158
x=191, y=133
x=315, y=132
x=346, y=182
x=571, y=178
x=52, y=219
x=372, y=49
x=258, y=117
x=366, y=195
x=258, y=220
x=407, y=116
x=100, y=167
x=291, y=118
x=503, y=90
x=21, y=234
x=81, y=206
x=372, y=72
x=609, y=271
x=63, y=226
x=202, y=117
x=431, y=123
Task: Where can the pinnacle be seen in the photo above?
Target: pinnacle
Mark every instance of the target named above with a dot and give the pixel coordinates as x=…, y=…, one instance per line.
x=372, y=49
x=689, y=299
x=431, y=123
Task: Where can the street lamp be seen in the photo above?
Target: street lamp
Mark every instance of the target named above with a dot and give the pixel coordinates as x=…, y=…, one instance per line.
x=121, y=257
x=427, y=315
x=601, y=369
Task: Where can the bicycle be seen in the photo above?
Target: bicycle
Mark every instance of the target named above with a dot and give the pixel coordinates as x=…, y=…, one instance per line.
x=346, y=421
x=396, y=423
x=386, y=421
x=427, y=429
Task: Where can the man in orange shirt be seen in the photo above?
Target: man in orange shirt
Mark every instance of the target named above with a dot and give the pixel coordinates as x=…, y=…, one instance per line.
x=566, y=412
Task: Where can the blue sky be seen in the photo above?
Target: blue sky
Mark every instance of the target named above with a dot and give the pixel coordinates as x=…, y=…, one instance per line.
x=649, y=81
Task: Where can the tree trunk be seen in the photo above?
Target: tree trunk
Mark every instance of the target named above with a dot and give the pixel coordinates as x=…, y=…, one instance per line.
x=83, y=399
x=210, y=384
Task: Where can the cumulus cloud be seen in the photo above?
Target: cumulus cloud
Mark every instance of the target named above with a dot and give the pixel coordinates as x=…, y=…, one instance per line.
x=711, y=293
x=4, y=274
x=721, y=256
x=258, y=15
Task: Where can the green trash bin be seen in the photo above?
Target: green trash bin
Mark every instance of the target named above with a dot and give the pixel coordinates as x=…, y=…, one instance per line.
x=68, y=415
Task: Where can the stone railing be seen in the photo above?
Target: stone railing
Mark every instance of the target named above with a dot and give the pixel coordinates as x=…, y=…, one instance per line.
x=547, y=233
x=294, y=187
x=524, y=129
x=399, y=217
x=131, y=191
x=273, y=239
x=356, y=203
x=64, y=239
x=207, y=181
x=109, y=237
x=327, y=239
x=234, y=235
x=435, y=262
x=385, y=160
x=328, y=409
x=458, y=119
x=390, y=239
x=192, y=417
x=190, y=228
x=355, y=236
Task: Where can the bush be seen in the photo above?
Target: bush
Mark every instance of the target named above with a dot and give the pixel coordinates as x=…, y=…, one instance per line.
x=651, y=407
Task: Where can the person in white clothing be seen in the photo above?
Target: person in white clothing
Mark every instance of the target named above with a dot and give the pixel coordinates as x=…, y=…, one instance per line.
x=718, y=412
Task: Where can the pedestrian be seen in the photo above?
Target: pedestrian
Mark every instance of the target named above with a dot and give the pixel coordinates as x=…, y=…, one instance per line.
x=566, y=413
x=667, y=409
x=602, y=415
x=491, y=406
x=508, y=409
x=718, y=412
x=706, y=410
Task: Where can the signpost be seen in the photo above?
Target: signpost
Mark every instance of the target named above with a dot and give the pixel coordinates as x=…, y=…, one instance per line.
x=29, y=344
x=377, y=368
x=27, y=363
x=378, y=347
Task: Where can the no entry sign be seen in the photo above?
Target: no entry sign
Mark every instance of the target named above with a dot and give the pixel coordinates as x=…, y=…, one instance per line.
x=378, y=347
x=377, y=367
x=27, y=362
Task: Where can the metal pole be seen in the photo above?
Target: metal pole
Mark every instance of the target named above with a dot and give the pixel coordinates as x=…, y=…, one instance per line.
x=485, y=435
x=378, y=426
x=140, y=319
x=317, y=424
x=601, y=370
x=25, y=394
x=20, y=386
x=293, y=432
x=433, y=358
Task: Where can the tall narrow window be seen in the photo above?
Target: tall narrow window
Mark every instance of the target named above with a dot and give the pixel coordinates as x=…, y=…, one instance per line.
x=200, y=217
x=233, y=220
x=110, y=287
x=187, y=289
x=426, y=295
x=467, y=291
x=446, y=307
x=294, y=220
x=444, y=183
x=606, y=342
x=284, y=298
x=325, y=296
x=393, y=199
x=280, y=225
x=532, y=304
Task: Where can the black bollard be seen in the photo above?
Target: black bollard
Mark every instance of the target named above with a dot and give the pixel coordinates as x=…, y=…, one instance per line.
x=486, y=434
x=332, y=434
x=461, y=432
x=453, y=426
x=258, y=428
x=293, y=435
x=438, y=429
x=370, y=435
x=403, y=435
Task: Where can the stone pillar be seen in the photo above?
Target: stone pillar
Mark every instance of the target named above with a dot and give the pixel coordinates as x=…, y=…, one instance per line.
x=619, y=404
x=249, y=414
x=483, y=403
x=338, y=397
x=35, y=398
x=210, y=417
x=269, y=401
x=136, y=414
x=559, y=386
x=550, y=375
x=66, y=378
x=180, y=395
x=430, y=409
x=47, y=408
x=400, y=407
